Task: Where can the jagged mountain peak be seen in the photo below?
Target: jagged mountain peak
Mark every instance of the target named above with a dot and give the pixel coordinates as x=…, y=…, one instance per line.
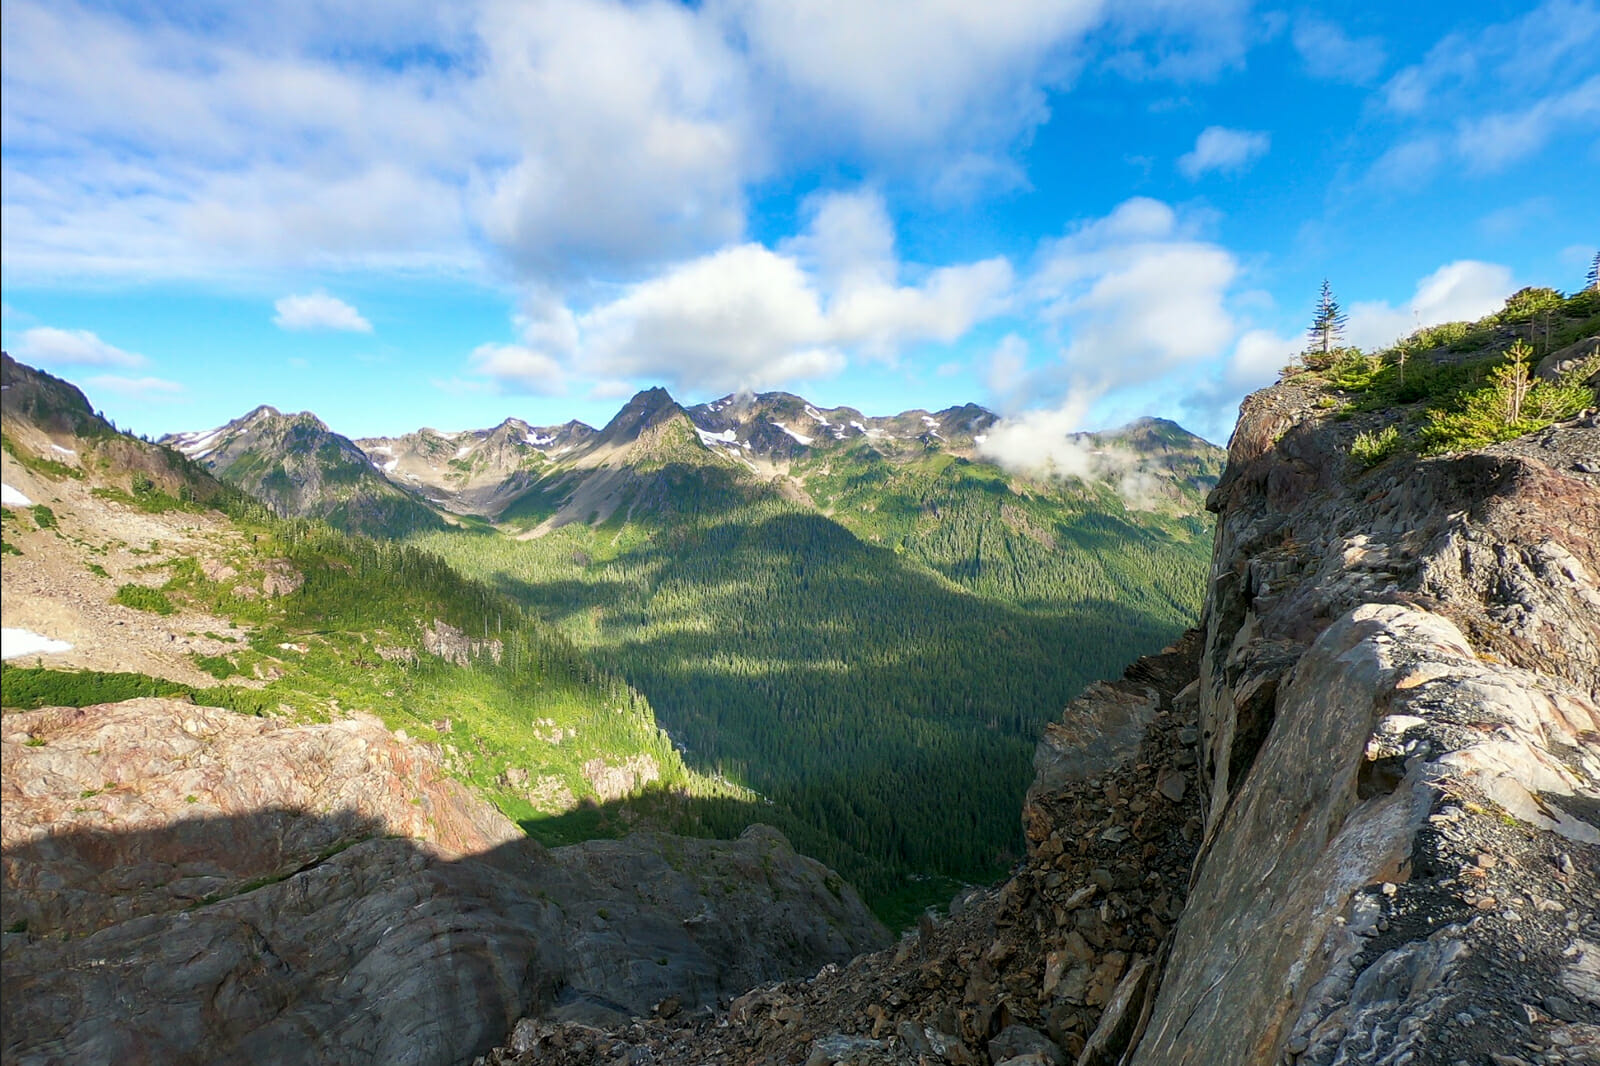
x=647, y=408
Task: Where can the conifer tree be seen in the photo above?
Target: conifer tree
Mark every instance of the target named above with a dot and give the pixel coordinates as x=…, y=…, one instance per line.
x=1594, y=273
x=1327, y=323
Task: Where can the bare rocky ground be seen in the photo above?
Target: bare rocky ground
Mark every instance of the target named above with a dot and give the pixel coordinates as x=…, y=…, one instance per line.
x=188, y=885
x=50, y=590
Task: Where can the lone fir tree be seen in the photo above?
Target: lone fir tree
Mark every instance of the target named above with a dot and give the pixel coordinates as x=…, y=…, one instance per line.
x=1594, y=273
x=1327, y=324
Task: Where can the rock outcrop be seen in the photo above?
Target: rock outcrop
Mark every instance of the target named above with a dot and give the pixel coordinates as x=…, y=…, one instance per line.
x=1400, y=747
x=185, y=884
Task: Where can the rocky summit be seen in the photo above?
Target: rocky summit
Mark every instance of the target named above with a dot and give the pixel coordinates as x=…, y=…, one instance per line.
x=1353, y=818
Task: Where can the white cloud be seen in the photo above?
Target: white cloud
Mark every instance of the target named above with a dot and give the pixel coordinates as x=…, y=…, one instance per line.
x=1136, y=299
x=1135, y=295
x=1007, y=371
x=749, y=316
x=1461, y=291
x=1330, y=53
x=1496, y=140
x=144, y=388
x=742, y=317
x=48, y=346
x=318, y=310
x=1223, y=150
x=1035, y=442
x=913, y=72
x=632, y=134
x=1257, y=358
x=1496, y=96
x=577, y=140
x=514, y=368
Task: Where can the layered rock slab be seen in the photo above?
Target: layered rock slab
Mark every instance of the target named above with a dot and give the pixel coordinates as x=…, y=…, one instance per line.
x=186, y=885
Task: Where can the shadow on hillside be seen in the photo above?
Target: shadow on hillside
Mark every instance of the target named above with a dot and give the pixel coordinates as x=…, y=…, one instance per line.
x=881, y=706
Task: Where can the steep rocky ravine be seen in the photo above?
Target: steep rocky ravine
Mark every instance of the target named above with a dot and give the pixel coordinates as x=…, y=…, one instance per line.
x=1353, y=819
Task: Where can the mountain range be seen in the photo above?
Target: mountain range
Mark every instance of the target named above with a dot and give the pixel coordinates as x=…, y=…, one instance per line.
x=574, y=472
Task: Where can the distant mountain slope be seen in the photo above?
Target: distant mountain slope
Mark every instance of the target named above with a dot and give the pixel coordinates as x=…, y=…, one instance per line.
x=478, y=471
x=297, y=466
x=862, y=618
x=50, y=429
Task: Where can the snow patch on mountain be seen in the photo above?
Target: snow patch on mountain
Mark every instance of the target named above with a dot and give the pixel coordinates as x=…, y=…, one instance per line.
x=802, y=438
x=19, y=642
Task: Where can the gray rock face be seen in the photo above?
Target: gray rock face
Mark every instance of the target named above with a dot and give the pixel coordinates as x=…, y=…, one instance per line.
x=1399, y=740
x=238, y=889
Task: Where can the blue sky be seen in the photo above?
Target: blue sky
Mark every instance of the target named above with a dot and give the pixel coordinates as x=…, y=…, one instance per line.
x=400, y=214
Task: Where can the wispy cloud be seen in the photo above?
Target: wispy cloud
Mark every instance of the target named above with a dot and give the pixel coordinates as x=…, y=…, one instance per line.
x=1495, y=97
x=48, y=346
x=1330, y=53
x=318, y=311
x=142, y=388
x=1223, y=150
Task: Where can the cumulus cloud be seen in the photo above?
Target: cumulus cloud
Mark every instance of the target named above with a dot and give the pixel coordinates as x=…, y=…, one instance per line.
x=1256, y=360
x=1461, y=291
x=1329, y=52
x=318, y=310
x=48, y=346
x=750, y=316
x=1223, y=150
x=905, y=72
x=517, y=369
x=1135, y=295
x=1135, y=298
x=573, y=139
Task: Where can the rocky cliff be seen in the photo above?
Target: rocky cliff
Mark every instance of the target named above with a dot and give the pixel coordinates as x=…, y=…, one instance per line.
x=1355, y=818
x=190, y=885
x=1400, y=750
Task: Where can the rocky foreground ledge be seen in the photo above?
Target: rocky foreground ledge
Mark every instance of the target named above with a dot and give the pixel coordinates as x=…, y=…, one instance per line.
x=1354, y=819
x=189, y=885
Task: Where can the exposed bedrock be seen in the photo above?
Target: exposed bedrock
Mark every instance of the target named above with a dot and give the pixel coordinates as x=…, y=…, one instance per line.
x=188, y=885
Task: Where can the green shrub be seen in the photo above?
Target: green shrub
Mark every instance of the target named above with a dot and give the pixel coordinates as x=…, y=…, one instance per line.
x=143, y=598
x=1441, y=336
x=1355, y=372
x=1371, y=448
x=43, y=517
x=1527, y=302
x=27, y=688
x=1513, y=403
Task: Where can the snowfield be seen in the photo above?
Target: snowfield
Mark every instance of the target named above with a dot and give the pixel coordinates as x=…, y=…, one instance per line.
x=17, y=642
x=10, y=497
x=725, y=437
x=797, y=436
